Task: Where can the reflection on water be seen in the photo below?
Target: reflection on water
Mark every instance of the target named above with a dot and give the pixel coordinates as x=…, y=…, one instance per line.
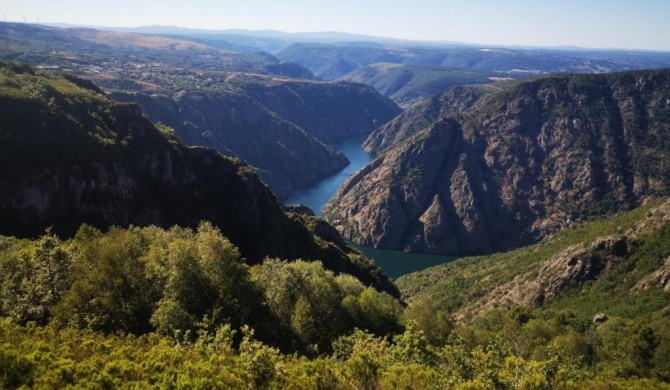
x=394, y=263
x=318, y=195
x=398, y=263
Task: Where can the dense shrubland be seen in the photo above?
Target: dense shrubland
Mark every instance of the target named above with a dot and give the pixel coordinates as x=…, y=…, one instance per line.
x=178, y=308
x=180, y=283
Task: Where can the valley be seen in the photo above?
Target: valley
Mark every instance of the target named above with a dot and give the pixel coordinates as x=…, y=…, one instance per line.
x=409, y=72
x=478, y=216
x=274, y=115
x=395, y=263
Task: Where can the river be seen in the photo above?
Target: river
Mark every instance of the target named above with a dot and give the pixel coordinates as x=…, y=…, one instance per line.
x=394, y=263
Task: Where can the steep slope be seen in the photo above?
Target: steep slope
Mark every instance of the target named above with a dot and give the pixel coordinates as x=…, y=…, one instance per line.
x=283, y=154
x=71, y=155
x=516, y=167
x=282, y=127
x=329, y=111
x=242, y=104
x=618, y=266
x=422, y=115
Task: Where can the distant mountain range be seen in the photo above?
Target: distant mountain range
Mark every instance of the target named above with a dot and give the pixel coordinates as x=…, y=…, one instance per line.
x=405, y=71
x=270, y=38
x=323, y=37
x=410, y=73
x=331, y=61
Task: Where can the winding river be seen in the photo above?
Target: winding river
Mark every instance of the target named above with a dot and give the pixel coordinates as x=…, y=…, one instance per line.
x=394, y=263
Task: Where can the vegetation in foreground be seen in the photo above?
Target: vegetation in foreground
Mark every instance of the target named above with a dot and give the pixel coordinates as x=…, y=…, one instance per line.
x=178, y=308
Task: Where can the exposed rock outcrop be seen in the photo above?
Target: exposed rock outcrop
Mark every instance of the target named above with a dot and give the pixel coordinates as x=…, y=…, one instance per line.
x=516, y=167
x=569, y=268
x=419, y=116
x=576, y=265
x=599, y=318
x=659, y=279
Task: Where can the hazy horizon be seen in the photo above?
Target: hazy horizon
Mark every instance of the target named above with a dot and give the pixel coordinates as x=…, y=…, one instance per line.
x=597, y=24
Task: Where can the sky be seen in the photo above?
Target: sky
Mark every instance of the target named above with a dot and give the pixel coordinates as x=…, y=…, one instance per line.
x=626, y=24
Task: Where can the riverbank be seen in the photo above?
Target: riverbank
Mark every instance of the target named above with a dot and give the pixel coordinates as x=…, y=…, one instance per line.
x=394, y=263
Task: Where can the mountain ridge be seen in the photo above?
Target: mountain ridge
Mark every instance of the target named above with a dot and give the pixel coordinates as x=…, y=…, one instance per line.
x=285, y=128
x=348, y=37
x=521, y=165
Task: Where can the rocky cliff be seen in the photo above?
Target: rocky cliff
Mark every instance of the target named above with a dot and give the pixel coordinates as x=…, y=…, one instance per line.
x=515, y=167
x=285, y=129
x=70, y=155
x=422, y=115
x=283, y=154
x=329, y=111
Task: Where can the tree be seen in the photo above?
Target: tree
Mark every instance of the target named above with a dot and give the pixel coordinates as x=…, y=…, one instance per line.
x=35, y=279
x=207, y=284
x=111, y=290
x=435, y=324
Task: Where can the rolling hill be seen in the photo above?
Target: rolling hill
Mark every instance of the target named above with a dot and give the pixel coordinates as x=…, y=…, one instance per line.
x=410, y=84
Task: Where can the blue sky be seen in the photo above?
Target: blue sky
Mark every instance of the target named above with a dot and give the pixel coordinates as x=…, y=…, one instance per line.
x=642, y=24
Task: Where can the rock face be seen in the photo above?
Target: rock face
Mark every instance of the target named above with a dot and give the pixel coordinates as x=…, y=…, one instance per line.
x=329, y=111
x=285, y=130
x=283, y=155
x=418, y=117
x=517, y=166
x=70, y=156
x=569, y=268
x=576, y=265
x=659, y=279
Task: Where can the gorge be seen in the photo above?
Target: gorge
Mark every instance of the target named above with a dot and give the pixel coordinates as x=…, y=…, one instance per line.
x=515, y=167
x=395, y=263
x=180, y=211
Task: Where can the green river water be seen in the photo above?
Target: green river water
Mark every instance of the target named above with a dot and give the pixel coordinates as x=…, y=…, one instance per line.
x=394, y=263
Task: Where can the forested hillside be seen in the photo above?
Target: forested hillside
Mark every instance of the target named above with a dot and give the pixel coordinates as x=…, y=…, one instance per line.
x=71, y=156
